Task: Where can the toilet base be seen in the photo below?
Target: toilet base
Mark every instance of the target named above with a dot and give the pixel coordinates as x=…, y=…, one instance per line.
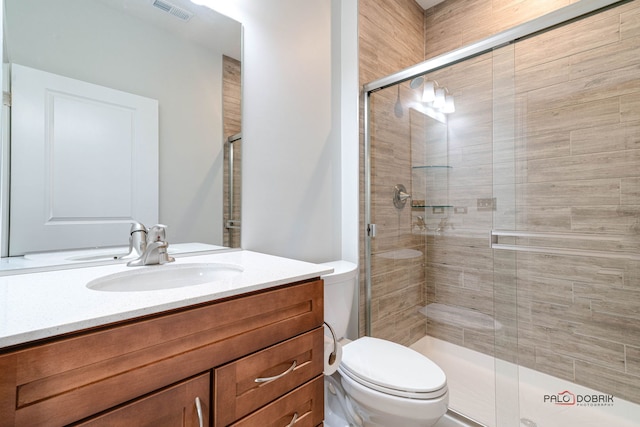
x=335, y=404
x=339, y=404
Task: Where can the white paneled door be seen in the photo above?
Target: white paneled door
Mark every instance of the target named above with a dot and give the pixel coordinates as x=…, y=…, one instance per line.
x=84, y=163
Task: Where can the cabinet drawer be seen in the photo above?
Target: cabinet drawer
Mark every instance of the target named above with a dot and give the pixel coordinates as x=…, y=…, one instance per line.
x=253, y=381
x=306, y=404
x=174, y=406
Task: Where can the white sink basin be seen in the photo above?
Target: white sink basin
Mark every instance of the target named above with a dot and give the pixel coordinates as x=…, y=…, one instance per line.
x=159, y=277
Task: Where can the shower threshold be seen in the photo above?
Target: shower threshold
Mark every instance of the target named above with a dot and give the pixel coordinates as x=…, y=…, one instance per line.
x=454, y=419
x=472, y=379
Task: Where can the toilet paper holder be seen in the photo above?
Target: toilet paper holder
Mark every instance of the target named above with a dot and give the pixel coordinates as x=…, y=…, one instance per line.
x=332, y=355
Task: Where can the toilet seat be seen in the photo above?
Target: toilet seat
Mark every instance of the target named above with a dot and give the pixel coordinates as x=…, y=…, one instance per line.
x=392, y=369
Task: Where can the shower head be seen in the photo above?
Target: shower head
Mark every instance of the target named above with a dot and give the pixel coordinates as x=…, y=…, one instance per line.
x=416, y=82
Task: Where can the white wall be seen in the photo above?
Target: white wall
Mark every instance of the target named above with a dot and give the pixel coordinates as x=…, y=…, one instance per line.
x=348, y=92
x=296, y=201
x=4, y=155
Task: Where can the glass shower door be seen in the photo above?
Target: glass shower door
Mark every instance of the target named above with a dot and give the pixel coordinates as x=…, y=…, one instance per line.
x=431, y=263
x=566, y=231
x=397, y=251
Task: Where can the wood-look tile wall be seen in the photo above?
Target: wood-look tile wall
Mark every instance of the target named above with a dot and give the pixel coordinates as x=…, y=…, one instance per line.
x=455, y=23
x=232, y=123
x=567, y=161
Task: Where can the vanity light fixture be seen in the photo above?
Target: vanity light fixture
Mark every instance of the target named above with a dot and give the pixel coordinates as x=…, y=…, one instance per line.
x=433, y=96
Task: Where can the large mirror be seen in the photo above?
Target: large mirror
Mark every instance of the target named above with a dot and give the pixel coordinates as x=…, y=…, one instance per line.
x=181, y=57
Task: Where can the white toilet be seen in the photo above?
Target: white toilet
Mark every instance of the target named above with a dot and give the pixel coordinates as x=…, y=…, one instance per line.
x=378, y=382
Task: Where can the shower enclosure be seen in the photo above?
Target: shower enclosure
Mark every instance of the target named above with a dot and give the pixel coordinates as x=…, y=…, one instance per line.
x=502, y=211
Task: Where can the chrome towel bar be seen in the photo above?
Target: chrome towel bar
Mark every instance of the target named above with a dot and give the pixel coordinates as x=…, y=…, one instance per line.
x=624, y=255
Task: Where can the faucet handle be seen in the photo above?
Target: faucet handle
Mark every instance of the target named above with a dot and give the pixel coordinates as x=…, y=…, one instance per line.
x=157, y=233
x=157, y=243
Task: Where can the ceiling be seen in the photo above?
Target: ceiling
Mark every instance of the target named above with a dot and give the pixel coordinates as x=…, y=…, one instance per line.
x=205, y=26
x=426, y=4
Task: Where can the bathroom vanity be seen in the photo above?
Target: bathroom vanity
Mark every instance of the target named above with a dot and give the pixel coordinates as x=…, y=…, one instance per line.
x=247, y=351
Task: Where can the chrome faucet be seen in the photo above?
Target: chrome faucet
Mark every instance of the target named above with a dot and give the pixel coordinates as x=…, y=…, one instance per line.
x=152, y=246
x=420, y=223
x=444, y=224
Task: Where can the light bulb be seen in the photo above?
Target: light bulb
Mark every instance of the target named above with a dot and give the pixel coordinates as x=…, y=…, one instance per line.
x=428, y=94
x=439, y=100
x=449, y=106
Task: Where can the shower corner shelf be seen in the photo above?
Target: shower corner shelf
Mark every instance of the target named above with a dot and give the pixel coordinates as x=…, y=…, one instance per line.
x=432, y=167
x=420, y=206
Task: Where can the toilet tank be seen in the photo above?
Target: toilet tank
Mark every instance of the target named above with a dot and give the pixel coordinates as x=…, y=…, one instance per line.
x=339, y=288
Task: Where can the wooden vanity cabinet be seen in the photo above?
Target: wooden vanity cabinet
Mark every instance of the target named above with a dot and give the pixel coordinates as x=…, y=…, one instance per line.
x=149, y=372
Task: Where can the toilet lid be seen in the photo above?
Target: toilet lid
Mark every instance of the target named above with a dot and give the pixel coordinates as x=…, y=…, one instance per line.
x=392, y=368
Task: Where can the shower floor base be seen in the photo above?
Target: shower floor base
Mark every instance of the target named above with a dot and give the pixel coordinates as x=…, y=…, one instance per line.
x=477, y=381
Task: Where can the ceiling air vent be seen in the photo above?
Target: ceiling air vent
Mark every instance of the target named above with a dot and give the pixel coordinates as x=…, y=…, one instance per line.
x=172, y=9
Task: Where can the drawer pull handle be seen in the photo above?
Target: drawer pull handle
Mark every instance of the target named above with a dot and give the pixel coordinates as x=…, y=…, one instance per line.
x=267, y=379
x=199, y=411
x=293, y=421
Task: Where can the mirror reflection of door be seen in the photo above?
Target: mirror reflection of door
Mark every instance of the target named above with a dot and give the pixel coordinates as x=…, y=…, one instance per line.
x=135, y=47
x=84, y=163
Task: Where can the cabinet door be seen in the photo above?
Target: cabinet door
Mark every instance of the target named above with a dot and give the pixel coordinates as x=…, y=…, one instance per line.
x=174, y=406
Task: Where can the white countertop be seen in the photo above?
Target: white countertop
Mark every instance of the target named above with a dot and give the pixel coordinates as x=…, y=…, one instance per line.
x=40, y=305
